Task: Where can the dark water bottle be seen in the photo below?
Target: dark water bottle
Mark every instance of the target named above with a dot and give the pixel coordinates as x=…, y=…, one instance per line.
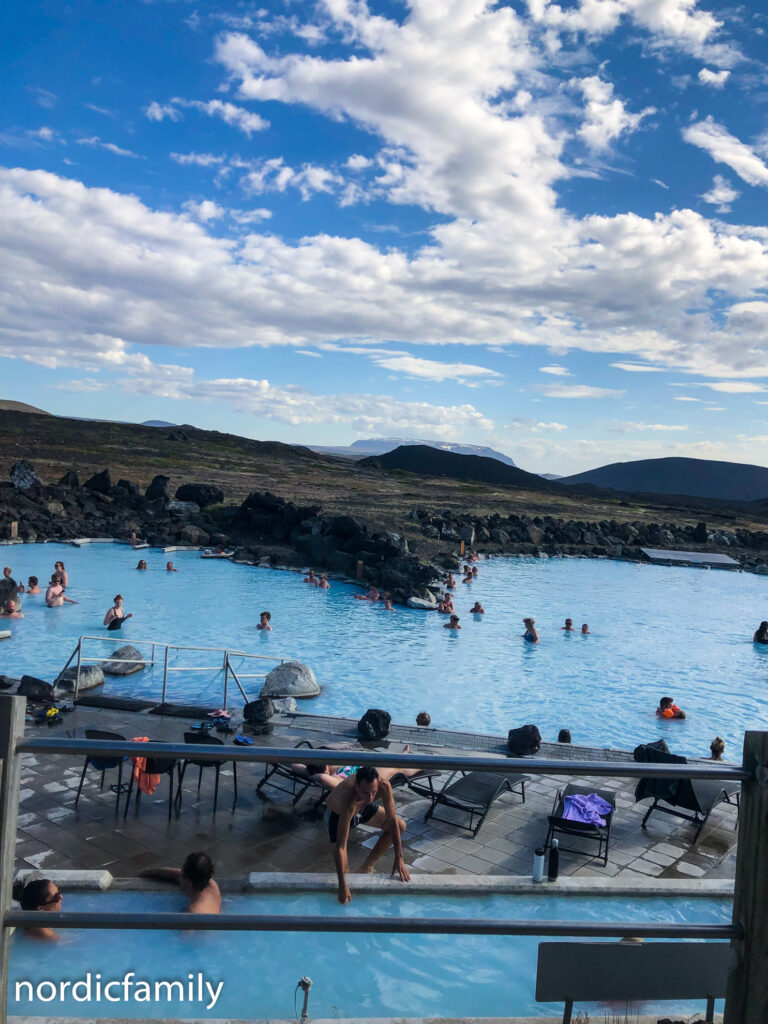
x=553, y=868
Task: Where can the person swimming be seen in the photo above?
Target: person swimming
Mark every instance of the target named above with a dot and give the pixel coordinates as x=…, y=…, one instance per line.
x=585, y=630
x=530, y=633
x=264, y=620
x=42, y=895
x=477, y=609
x=453, y=623
x=115, y=617
x=568, y=627
x=142, y=564
x=668, y=709
x=761, y=634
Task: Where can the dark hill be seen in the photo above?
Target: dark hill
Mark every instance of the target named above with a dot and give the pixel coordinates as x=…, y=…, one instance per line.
x=427, y=461
x=699, y=478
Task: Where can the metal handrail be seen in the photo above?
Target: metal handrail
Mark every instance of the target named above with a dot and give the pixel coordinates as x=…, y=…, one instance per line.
x=384, y=759
x=389, y=925
x=225, y=667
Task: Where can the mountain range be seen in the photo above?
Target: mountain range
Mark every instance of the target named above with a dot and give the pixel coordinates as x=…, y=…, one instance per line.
x=381, y=445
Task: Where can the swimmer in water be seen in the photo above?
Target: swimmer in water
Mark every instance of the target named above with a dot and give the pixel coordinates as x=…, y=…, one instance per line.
x=568, y=627
x=761, y=634
x=451, y=584
x=469, y=577
x=453, y=623
x=717, y=749
x=9, y=610
x=33, y=585
x=116, y=616
x=311, y=578
x=195, y=878
x=54, y=595
x=324, y=584
x=59, y=568
x=264, y=621
x=668, y=709
x=142, y=565
x=388, y=607
x=446, y=605
x=477, y=609
x=423, y=719
x=475, y=572
x=585, y=630
x=169, y=567
x=530, y=633
x=371, y=594
x=43, y=896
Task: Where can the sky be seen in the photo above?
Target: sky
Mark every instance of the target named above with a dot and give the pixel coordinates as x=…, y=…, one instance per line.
x=541, y=227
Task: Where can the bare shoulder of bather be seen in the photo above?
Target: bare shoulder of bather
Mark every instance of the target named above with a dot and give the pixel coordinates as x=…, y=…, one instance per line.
x=207, y=901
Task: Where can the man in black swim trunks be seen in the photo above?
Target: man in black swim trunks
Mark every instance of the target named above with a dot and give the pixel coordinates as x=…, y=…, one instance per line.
x=356, y=802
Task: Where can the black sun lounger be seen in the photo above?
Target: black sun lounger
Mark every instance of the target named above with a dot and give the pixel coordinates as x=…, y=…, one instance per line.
x=474, y=793
x=600, y=834
x=681, y=796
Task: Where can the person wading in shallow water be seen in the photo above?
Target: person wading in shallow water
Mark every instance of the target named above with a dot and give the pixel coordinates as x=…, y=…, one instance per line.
x=42, y=895
x=364, y=799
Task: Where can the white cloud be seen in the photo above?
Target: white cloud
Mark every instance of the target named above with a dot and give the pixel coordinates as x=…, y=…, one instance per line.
x=43, y=97
x=430, y=369
x=358, y=163
x=605, y=117
x=309, y=352
x=274, y=175
x=716, y=79
x=637, y=368
x=160, y=111
x=735, y=387
x=686, y=398
x=255, y=216
x=628, y=427
x=237, y=117
x=578, y=391
x=45, y=134
x=727, y=149
x=555, y=371
x=204, y=211
x=530, y=426
x=197, y=159
x=96, y=142
x=721, y=194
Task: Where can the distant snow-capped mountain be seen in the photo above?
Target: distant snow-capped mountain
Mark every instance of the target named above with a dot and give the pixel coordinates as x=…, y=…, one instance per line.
x=381, y=445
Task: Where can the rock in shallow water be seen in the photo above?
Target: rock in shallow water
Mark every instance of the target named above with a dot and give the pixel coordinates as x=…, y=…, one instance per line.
x=90, y=676
x=127, y=660
x=291, y=679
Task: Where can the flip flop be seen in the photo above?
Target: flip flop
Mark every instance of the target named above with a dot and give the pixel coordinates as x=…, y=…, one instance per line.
x=243, y=741
x=219, y=713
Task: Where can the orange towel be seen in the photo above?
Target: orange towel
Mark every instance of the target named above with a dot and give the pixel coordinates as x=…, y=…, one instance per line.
x=146, y=783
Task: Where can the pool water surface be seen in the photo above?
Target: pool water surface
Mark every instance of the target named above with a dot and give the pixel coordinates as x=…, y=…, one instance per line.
x=655, y=630
x=354, y=976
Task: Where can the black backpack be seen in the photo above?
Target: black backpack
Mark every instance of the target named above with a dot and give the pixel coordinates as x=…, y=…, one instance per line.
x=524, y=741
x=374, y=725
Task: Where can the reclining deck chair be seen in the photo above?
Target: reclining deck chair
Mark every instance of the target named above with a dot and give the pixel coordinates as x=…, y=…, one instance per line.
x=698, y=795
x=601, y=834
x=474, y=793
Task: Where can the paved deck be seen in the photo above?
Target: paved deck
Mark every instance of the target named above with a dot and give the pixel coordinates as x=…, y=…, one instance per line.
x=272, y=835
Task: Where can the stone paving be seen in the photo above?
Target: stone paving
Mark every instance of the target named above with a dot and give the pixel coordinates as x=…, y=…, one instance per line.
x=272, y=835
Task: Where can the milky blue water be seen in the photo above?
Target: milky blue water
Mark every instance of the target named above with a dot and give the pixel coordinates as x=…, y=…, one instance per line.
x=655, y=631
x=354, y=976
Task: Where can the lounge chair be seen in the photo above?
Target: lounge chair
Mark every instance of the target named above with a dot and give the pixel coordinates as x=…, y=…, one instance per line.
x=600, y=834
x=700, y=796
x=474, y=793
x=295, y=782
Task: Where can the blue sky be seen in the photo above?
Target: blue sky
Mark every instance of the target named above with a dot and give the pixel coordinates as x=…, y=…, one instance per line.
x=536, y=226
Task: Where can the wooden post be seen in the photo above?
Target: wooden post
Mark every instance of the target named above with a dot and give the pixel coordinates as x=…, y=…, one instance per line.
x=461, y=549
x=11, y=730
x=747, y=993
x=359, y=570
x=14, y=529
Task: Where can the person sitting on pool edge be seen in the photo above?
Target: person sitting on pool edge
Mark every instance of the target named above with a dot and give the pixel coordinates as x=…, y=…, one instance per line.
x=453, y=623
x=195, y=877
x=43, y=895
x=264, y=619
x=668, y=709
x=530, y=633
x=364, y=799
x=477, y=609
x=761, y=634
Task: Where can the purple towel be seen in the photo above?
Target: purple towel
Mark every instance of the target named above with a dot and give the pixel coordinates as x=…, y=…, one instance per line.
x=587, y=809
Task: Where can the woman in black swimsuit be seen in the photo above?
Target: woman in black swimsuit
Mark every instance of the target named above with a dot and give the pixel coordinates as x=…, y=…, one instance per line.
x=116, y=616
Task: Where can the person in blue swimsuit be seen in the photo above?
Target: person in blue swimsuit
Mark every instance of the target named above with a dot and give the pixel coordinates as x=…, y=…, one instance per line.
x=530, y=633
